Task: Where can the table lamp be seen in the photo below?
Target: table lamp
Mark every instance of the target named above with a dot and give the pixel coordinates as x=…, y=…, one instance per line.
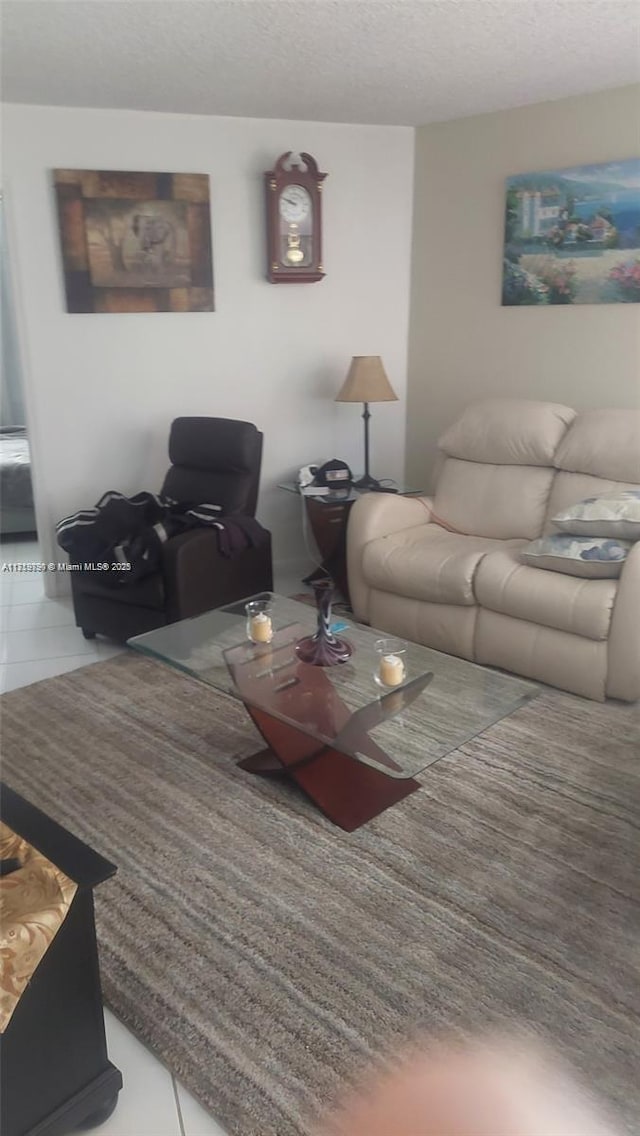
x=366, y=382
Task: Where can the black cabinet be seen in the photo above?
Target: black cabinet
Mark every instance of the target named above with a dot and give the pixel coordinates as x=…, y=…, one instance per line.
x=54, y=1069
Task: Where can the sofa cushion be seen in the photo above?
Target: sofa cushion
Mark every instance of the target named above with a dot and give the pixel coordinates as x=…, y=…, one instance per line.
x=497, y=501
x=604, y=443
x=545, y=654
x=508, y=431
x=611, y=514
x=443, y=627
x=569, y=488
x=591, y=557
x=427, y=563
x=583, y=607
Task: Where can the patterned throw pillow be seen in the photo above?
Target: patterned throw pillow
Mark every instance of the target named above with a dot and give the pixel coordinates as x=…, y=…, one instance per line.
x=595, y=558
x=613, y=514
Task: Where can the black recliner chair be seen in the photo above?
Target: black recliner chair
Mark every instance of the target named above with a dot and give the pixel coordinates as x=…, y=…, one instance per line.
x=216, y=460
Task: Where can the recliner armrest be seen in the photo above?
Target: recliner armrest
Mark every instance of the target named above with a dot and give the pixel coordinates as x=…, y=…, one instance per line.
x=198, y=577
x=189, y=563
x=375, y=515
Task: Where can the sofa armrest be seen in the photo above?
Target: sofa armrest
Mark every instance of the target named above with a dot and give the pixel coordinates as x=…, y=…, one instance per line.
x=375, y=515
x=623, y=672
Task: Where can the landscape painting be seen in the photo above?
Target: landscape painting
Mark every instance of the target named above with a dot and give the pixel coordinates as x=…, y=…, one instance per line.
x=135, y=242
x=573, y=236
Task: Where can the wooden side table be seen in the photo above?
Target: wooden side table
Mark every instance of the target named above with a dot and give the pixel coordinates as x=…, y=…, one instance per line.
x=328, y=517
x=328, y=520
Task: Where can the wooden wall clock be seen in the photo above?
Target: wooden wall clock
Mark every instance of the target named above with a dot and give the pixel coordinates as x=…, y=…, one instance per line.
x=294, y=220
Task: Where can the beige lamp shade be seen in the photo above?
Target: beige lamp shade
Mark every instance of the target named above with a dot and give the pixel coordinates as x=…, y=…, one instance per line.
x=366, y=382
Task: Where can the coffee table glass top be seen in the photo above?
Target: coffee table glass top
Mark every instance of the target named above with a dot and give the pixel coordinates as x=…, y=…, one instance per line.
x=443, y=702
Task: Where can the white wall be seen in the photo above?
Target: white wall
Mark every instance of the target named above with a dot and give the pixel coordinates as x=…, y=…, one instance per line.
x=463, y=344
x=101, y=390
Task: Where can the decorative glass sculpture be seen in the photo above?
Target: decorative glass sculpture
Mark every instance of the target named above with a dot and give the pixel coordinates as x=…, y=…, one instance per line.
x=323, y=649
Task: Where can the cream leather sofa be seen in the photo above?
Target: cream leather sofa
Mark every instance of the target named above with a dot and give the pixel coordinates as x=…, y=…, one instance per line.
x=446, y=571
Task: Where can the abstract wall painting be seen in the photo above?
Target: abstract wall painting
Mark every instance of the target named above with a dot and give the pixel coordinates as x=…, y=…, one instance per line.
x=135, y=242
x=572, y=236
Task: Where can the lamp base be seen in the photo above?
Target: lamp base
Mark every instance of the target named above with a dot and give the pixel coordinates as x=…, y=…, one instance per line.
x=366, y=482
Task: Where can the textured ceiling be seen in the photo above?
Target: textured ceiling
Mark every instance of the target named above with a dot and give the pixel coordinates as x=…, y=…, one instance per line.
x=377, y=61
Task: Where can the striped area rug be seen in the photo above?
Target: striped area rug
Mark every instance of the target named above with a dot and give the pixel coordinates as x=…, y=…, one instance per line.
x=264, y=955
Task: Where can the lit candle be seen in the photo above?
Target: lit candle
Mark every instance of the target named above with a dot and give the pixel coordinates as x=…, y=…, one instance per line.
x=261, y=629
x=391, y=670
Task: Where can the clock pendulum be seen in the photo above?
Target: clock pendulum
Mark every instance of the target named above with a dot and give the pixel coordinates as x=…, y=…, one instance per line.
x=294, y=253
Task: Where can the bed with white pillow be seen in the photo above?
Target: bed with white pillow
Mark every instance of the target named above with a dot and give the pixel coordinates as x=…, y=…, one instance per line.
x=16, y=492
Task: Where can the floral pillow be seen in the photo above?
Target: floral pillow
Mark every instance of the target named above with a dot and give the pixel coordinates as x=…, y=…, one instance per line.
x=592, y=557
x=613, y=514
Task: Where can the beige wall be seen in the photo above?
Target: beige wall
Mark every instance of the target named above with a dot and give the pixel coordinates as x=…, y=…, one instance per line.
x=463, y=345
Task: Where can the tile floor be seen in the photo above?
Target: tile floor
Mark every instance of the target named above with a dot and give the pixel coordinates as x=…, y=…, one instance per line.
x=39, y=640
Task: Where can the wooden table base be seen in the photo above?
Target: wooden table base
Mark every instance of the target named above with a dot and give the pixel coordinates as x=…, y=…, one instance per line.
x=348, y=792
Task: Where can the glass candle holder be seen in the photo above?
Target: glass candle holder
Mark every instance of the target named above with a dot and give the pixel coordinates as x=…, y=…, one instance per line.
x=391, y=669
x=259, y=621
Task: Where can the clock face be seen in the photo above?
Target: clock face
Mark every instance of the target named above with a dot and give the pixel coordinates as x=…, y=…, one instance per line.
x=295, y=204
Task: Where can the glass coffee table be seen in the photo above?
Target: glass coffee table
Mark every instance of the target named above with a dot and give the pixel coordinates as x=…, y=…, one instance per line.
x=354, y=748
